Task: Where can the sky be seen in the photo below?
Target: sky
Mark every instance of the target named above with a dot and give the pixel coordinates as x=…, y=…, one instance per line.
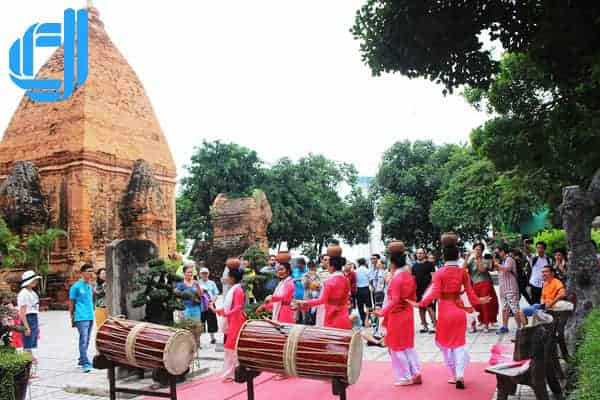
x=282, y=77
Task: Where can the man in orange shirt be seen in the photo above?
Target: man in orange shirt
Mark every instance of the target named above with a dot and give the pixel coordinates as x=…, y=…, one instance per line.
x=552, y=292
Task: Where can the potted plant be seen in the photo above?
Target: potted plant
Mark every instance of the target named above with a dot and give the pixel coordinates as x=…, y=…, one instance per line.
x=14, y=367
x=38, y=251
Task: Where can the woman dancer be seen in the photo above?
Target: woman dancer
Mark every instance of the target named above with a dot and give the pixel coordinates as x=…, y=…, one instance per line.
x=280, y=303
x=448, y=283
x=479, y=271
x=335, y=295
x=233, y=311
x=399, y=321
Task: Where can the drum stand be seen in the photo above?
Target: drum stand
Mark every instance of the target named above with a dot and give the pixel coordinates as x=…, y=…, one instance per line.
x=247, y=375
x=101, y=362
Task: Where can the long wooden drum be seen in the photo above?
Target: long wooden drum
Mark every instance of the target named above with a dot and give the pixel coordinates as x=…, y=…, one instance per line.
x=300, y=350
x=144, y=345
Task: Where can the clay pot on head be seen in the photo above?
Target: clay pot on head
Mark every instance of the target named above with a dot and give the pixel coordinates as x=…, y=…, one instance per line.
x=233, y=263
x=283, y=257
x=396, y=246
x=449, y=239
x=334, y=250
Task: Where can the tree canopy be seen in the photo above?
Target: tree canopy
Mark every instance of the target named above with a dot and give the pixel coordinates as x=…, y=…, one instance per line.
x=442, y=39
x=406, y=185
x=474, y=198
x=305, y=195
x=537, y=132
x=214, y=168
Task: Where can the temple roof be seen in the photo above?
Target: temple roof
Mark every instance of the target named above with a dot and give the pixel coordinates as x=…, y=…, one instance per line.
x=108, y=120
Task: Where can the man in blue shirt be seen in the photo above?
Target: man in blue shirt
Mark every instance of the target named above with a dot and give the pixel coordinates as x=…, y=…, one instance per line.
x=81, y=308
x=363, y=294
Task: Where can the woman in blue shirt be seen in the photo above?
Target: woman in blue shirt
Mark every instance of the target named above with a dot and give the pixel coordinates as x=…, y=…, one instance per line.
x=191, y=293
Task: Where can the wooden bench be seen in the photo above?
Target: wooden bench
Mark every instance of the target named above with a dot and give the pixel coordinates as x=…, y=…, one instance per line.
x=538, y=345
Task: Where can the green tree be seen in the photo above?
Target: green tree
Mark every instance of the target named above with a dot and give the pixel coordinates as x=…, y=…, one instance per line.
x=307, y=207
x=441, y=39
x=215, y=167
x=406, y=186
x=10, y=252
x=474, y=197
x=544, y=93
x=537, y=133
x=38, y=251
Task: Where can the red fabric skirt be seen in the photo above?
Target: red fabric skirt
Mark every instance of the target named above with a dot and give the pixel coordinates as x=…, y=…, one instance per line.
x=488, y=313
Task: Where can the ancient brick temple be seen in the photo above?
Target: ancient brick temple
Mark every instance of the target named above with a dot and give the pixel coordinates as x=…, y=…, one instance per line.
x=238, y=223
x=241, y=222
x=98, y=165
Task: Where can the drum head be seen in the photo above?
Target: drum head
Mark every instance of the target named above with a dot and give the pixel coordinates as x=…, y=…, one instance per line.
x=179, y=352
x=355, y=357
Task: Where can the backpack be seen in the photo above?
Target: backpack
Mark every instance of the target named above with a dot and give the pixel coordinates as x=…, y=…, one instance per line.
x=547, y=257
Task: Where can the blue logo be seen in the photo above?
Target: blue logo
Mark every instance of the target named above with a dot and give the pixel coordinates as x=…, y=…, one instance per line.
x=73, y=36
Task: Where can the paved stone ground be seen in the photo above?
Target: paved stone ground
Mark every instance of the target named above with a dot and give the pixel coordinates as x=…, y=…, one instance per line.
x=59, y=378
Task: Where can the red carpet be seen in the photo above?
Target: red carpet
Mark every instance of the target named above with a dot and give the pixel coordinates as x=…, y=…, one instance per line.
x=375, y=382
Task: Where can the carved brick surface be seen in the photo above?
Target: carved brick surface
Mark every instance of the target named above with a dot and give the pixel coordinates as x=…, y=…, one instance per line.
x=238, y=222
x=85, y=149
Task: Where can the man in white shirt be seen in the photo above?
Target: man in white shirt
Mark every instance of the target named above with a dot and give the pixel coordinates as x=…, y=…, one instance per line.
x=538, y=262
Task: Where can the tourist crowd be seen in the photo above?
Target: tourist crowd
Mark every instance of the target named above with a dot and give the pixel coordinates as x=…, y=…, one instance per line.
x=334, y=292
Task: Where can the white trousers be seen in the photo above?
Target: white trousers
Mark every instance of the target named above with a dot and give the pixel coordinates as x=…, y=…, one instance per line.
x=230, y=362
x=456, y=360
x=405, y=364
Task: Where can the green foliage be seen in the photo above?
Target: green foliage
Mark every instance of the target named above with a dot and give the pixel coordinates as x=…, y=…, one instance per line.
x=251, y=313
x=588, y=359
x=557, y=238
x=38, y=250
x=10, y=253
x=215, y=168
x=255, y=256
x=181, y=244
x=543, y=94
x=554, y=239
x=11, y=365
x=474, y=197
x=407, y=184
x=513, y=240
x=441, y=39
x=538, y=133
x=304, y=195
x=307, y=207
x=157, y=286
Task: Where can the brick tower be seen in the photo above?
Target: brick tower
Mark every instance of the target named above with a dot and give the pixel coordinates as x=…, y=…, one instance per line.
x=105, y=168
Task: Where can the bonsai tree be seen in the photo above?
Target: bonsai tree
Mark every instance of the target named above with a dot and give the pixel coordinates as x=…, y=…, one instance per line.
x=38, y=251
x=256, y=258
x=157, y=286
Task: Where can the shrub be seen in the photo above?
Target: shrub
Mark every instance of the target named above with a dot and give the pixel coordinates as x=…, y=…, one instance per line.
x=588, y=360
x=557, y=238
x=11, y=365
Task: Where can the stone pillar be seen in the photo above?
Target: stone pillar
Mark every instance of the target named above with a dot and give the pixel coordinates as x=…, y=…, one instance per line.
x=124, y=258
x=577, y=211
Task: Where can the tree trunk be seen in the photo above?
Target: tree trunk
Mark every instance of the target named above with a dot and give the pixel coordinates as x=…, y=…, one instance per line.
x=577, y=211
